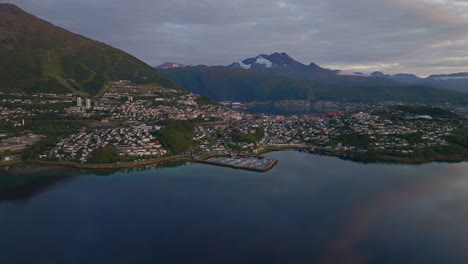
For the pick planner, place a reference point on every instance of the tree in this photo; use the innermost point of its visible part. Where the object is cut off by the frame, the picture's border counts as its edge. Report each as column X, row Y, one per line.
column 177, row 136
column 105, row 155
column 249, row 138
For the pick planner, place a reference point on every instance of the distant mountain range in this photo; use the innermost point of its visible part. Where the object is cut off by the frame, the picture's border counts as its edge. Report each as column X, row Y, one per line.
column 455, row 81
column 278, row 77
column 36, row 56
column 281, row 64
column 225, row 83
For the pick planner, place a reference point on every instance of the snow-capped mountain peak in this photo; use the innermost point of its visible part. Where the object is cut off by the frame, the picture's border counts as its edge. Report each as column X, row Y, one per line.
column 282, row 64
column 274, row 60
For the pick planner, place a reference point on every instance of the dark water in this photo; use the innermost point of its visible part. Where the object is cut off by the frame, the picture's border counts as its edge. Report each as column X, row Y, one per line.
column 308, row 209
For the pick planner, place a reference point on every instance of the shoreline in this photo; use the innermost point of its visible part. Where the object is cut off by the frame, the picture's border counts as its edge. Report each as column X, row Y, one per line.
column 116, row 166
column 141, row 164
column 368, row 156
column 10, row 164
column 204, row 160
column 397, row 159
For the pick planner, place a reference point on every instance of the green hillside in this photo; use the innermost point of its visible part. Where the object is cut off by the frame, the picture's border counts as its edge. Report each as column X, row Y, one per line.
column 37, row 56
column 408, row 93
column 229, row 83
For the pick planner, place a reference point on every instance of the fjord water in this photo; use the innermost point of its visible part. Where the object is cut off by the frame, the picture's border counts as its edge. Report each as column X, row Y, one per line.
column 308, row 209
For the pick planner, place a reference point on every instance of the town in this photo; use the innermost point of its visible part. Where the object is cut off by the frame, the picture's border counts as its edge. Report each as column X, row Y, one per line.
column 144, row 122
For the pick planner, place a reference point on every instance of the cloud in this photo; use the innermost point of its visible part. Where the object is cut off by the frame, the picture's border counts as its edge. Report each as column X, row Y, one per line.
column 410, row 35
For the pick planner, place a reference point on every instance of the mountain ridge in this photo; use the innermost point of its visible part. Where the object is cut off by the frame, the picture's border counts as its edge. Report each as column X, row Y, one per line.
column 455, row 81
column 38, row 56
column 225, row 83
column 281, row 64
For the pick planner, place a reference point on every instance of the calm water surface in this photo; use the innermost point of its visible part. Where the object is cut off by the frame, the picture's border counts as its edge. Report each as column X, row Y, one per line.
column 308, row 209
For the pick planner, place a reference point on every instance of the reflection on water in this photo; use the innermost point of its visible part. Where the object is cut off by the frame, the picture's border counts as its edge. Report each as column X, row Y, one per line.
column 22, row 182
column 436, row 207
column 366, row 160
column 308, row 209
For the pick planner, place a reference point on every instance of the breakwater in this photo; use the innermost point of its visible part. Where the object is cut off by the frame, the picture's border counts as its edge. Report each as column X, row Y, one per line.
column 267, row 165
column 245, row 163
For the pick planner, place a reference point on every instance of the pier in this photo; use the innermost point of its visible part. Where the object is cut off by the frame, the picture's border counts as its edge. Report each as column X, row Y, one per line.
column 246, row 163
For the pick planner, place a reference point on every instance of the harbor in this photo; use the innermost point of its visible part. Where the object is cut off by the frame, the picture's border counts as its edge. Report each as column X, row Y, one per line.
column 247, row 163
column 253, row 163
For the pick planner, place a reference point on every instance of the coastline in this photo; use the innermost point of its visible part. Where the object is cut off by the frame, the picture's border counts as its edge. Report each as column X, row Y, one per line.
column 6, row 164
column 140, row 164
column 265, row 169
column 115, row 166
column 204, row 160
column 396, row 159
column 368, row 156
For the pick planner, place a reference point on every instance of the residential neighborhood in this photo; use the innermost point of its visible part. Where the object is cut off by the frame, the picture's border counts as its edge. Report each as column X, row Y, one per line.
column 131, row 118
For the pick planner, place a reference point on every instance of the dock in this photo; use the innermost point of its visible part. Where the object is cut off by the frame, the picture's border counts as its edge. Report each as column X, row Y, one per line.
column 252, row 163
column 246, row 163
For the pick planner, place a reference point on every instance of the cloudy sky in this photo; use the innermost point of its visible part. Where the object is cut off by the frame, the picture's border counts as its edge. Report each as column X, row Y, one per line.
column 417, row 36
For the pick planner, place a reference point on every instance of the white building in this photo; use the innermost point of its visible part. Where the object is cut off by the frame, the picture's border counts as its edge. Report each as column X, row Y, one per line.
column 78, row 102
column 88, row 103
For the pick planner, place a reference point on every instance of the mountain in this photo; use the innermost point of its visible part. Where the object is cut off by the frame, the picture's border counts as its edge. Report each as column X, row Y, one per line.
column 401, row 77
column 406, row 78
column 168, row 65
column 226, row 83
column 453, row 76
column 454, row 81
column 37, row 56
column 281, row 64
column 378, row 74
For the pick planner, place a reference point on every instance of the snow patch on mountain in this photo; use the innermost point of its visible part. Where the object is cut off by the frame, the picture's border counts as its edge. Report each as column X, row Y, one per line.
column 243, row 65
column 261, row 60
column 169, row 65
